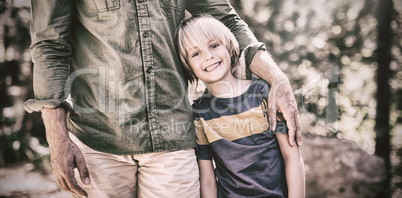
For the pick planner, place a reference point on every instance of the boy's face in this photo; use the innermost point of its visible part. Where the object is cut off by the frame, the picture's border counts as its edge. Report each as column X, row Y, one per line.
column 210, row 61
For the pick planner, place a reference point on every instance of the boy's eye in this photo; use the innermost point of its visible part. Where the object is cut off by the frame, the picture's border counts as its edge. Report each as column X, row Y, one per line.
column 215, row 45
column 196, row 54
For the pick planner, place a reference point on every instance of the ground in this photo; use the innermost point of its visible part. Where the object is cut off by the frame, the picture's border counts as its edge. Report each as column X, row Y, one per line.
column 22, row 181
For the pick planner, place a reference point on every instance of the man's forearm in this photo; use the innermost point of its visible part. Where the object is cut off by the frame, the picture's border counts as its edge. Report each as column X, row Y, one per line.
column 55, row 124
column 64, row 153
column 265, row 67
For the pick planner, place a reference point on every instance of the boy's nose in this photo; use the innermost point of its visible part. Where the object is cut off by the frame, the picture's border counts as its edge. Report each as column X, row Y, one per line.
column 209, row 56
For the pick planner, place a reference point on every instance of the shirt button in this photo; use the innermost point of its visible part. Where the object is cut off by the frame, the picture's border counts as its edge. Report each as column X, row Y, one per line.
column 145, row 34
column 149, row 69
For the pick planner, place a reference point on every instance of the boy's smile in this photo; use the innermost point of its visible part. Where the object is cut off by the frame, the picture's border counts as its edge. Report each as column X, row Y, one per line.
column 213, row 66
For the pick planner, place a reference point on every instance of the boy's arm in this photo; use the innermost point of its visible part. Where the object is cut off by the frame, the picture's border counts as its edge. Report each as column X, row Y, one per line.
column 207, row 179
column 294, row 167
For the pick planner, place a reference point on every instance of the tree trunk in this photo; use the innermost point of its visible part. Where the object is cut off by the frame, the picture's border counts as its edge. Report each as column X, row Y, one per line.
column 383, row 148
column 3, row 96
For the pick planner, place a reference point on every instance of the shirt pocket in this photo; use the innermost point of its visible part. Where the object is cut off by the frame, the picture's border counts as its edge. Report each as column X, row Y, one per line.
column 99, row 6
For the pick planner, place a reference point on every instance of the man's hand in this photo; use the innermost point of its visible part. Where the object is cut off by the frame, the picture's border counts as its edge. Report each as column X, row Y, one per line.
column 64, row 153
column 281, row 97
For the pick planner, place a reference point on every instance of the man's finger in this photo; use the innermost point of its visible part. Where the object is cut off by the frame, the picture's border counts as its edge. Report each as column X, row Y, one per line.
column 82, row 169
column 298, row 130
column 290, row 122
column 73, row 185
column 272, row 111
column 61, row 182
column 272, row 120
column 291, row 138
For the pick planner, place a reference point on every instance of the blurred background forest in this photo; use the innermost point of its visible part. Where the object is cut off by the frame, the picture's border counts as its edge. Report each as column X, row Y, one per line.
column 343, row 59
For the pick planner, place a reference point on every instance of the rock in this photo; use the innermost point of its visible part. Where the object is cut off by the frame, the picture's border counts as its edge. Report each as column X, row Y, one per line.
column 340, row 168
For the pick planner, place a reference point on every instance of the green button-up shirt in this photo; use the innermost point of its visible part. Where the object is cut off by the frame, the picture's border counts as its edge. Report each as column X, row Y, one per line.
column 117, row 61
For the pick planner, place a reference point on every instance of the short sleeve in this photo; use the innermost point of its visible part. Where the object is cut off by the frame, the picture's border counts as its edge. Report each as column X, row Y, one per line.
column 281, row 124
column 202, row 149
column 242, row 69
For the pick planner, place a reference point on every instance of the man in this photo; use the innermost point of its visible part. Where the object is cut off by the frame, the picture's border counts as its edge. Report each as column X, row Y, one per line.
column 128, row 128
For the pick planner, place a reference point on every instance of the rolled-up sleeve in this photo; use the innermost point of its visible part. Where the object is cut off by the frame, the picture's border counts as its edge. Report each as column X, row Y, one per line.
column 51, row 22
column 224, row 12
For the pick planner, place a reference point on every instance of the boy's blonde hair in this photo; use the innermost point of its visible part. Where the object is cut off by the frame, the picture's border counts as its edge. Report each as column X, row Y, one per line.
column 200, row 29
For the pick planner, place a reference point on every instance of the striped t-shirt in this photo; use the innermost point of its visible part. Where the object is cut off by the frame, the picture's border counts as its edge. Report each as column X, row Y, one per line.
column 234, row 132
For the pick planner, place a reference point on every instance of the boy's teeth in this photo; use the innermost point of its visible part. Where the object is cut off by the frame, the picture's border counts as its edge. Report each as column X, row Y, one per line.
column 211, row 67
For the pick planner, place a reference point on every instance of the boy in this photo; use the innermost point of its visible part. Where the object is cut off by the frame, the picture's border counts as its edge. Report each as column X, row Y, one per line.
column 231, row 121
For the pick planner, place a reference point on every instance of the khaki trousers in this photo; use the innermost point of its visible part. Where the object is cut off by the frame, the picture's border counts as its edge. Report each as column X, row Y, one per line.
column 164, row 174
